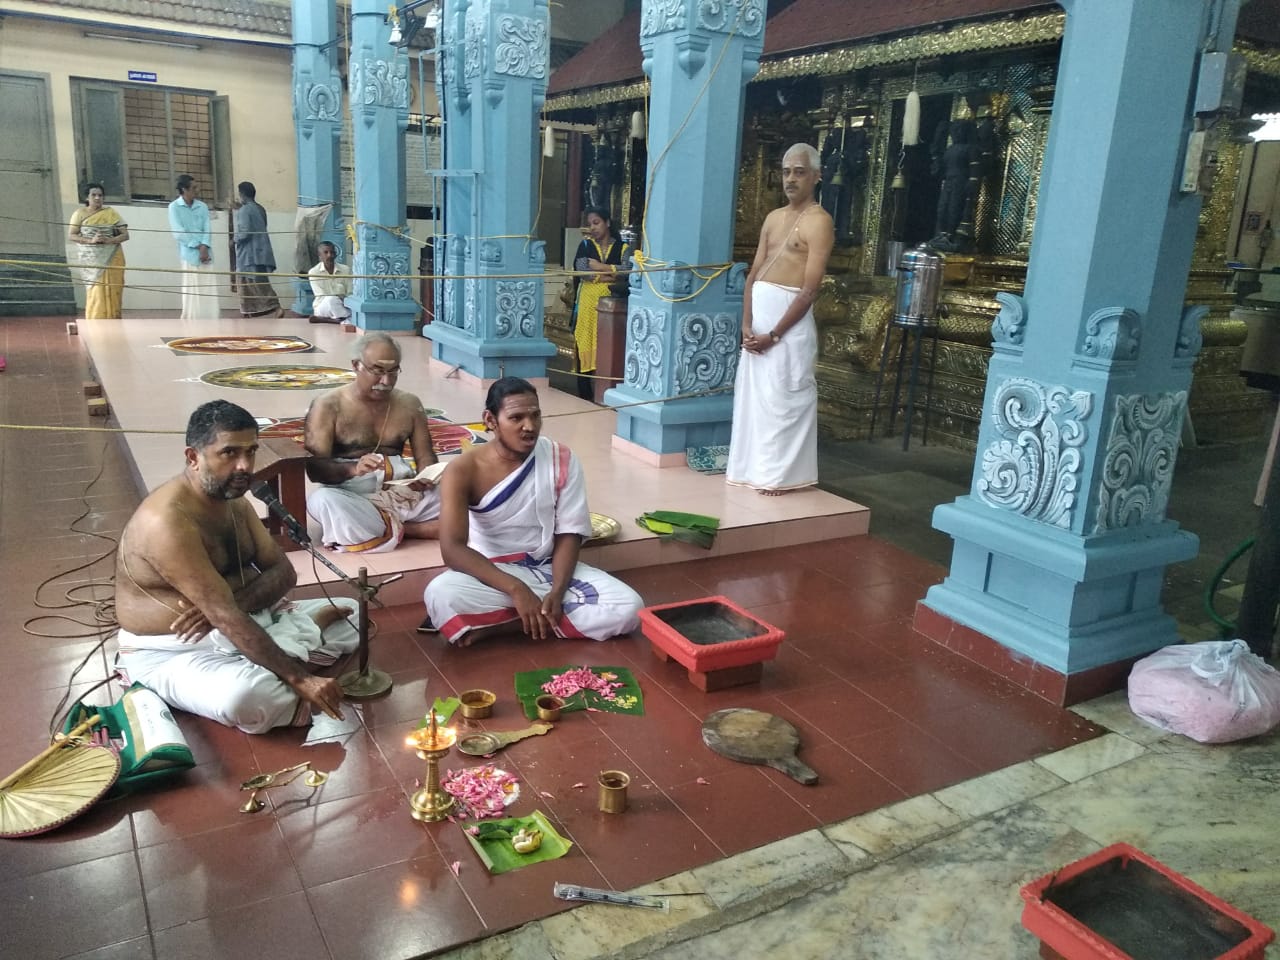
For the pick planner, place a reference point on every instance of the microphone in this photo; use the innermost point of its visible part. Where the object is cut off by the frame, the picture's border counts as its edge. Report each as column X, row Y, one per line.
column 297, row 532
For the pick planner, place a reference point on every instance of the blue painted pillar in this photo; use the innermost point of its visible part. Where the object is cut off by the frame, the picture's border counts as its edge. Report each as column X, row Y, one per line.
column 379, row 82
column 1061, row 545
column 317, row 120
column 683, row 329
column 493, row 70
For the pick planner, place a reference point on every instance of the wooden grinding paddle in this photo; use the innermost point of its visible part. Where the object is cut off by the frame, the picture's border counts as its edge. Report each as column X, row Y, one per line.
column 752, row 736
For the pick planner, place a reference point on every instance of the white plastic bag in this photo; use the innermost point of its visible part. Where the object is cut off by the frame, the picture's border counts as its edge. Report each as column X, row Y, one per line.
column 1213, row 692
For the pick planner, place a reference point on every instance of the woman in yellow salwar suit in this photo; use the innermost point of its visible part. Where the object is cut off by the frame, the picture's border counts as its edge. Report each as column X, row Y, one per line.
column 96, row 239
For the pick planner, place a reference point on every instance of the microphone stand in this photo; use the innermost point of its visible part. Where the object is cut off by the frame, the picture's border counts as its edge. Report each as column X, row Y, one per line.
column 365, row 682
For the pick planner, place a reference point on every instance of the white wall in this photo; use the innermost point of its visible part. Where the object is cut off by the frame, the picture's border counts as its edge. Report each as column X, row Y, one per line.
column 256, row 79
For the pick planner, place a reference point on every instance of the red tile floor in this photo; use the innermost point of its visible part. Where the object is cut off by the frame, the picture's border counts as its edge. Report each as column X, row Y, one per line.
column 179, row 872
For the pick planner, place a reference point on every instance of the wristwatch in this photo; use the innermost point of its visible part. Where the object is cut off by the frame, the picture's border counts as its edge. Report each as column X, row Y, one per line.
column 773, row 335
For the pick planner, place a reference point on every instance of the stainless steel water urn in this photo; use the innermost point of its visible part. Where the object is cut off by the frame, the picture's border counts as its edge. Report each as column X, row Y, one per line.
column 919, row 286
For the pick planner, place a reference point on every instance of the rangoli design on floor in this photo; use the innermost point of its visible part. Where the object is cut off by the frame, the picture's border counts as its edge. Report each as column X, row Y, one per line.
column 239, row 346
column 279, row 376
column 446, row 437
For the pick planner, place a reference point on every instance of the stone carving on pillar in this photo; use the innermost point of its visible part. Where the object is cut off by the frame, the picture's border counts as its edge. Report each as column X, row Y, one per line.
column 321, row 101
column 1111, row 336
column 471, row 309
column 473, row 45
column 490, row 251
column 538, row 252
column 745, row 17
column 644, row 359
column 516, row 300
column 1137, row 466
column 1190, row 340
column 707, row 357
column 675, row 280
column 1034, row 468
column 379, row 83
column 390, row 280
column 1009, row 326
column 661, row 17
column 735, row 285
column 521, row 47
column 448, row 289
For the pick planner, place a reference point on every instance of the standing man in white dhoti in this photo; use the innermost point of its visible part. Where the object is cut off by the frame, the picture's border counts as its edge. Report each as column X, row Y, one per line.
column 513, row 517
column 774, row 446
column 201, row 594
column 356, row 436
column 190, row 223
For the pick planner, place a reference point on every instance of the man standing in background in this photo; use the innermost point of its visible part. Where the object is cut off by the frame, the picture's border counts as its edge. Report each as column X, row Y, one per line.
column 189, row 222
column 774, row 446
column 254, row 256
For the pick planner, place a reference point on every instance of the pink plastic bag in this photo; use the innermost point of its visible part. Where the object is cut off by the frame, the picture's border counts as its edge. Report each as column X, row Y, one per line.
column 1213, row 692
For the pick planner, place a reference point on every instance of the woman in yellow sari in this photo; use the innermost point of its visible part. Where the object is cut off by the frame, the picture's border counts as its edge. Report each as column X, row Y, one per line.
column 95, row 245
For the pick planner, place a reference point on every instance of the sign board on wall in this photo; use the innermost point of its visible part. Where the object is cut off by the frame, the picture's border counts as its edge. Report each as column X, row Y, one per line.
column 146, row 76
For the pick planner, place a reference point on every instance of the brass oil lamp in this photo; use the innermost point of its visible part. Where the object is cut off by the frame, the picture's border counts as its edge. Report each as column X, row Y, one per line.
column 432, row 743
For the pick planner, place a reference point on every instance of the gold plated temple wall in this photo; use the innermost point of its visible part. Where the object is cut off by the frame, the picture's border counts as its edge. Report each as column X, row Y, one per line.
column 1002, row 71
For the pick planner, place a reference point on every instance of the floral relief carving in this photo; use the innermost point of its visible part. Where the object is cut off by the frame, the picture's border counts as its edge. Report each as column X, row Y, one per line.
column 380, row 83
column 516, row 300
column 323, row 101
column 471, row 309
column 521, row 49
column 645, row 350
column 473, row 43
column 1009, row 326
column 743, row 17
column 1033, row 469
column 1190, row 339
column 1112, row 334
column 389, row 280
column 660, row 16
column 1137, row 467
column 707, row 355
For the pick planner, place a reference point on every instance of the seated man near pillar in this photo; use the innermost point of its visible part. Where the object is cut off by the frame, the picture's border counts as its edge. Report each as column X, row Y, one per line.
column 774, row 444
column 330, row 285
column 201, row 594
column 513, row 517
column 356, row 436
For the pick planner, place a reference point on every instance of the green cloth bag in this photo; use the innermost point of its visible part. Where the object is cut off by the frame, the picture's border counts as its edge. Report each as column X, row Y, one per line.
column 144, row 733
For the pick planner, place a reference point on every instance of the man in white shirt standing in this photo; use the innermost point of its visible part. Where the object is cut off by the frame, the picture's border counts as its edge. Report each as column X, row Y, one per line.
column 330, row 283
column 190, row 223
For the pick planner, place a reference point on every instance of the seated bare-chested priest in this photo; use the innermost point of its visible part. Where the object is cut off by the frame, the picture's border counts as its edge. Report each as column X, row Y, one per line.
column 356, row 436
column 513, row 518
column 200, row 594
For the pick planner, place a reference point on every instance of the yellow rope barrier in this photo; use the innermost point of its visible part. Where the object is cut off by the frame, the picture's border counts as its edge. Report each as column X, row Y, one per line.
column 548, row 416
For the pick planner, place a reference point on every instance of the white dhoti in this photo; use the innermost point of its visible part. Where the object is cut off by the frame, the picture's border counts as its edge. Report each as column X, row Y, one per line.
column 774, row 445
column 212, row 678
column 515, row 526
column 200, row 292
column 360, row 516
column 331, row 307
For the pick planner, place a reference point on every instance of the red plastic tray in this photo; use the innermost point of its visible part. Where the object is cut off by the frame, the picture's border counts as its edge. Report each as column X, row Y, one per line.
column 704, row 658
column 1072, row 939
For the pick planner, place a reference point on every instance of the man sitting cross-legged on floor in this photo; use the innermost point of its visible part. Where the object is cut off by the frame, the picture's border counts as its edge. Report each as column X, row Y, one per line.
column 200, row 594
column 356, row 435
column 513, row 517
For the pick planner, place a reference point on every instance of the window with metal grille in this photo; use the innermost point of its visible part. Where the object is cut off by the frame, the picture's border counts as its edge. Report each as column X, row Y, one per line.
column 135, row 139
